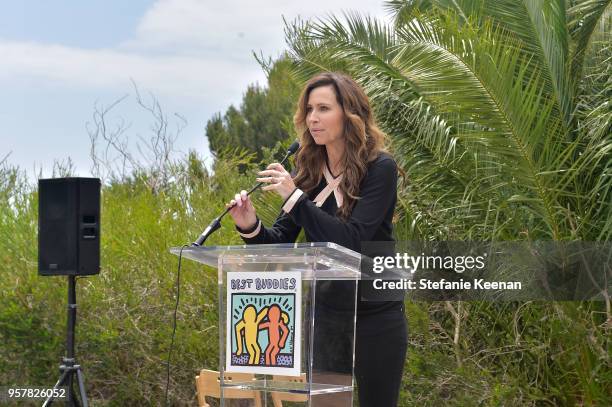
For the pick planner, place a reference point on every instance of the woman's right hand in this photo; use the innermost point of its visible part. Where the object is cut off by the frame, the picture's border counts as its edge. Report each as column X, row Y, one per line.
column 243, row 211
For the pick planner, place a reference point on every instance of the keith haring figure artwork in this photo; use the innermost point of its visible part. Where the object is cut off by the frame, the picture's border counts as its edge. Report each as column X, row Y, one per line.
column 263, row 322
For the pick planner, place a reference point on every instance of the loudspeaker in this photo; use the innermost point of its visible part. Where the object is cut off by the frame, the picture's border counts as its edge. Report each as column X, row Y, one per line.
column 68, row 226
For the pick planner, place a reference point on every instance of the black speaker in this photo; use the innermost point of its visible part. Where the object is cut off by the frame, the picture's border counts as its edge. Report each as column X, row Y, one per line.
column 68, row 226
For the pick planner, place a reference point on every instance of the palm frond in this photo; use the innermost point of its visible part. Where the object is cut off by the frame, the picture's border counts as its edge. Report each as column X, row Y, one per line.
column 473, row 122
column 485, row 78
column 588, row 20
column 540, row 25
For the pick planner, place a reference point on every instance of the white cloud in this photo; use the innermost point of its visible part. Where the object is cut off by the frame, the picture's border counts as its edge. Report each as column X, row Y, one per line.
column 233, row 26
column 194, row 55
column 181, row 76
column 194, row 49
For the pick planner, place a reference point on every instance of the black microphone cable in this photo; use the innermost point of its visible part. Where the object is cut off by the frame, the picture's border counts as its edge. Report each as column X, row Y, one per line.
column 178, row 293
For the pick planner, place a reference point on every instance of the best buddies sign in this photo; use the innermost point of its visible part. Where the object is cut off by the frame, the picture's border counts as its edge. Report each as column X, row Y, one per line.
column 263, row 323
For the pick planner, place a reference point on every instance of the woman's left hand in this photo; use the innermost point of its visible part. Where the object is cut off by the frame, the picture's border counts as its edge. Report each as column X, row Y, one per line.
column 279, row 179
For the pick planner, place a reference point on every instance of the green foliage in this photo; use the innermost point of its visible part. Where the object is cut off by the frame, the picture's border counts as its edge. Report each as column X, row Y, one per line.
column 265, row 115
column 484, row 111
column 499, row 113
column 124, row 320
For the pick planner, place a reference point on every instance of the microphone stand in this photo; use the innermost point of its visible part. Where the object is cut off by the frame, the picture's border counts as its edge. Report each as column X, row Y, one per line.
column 216, row 222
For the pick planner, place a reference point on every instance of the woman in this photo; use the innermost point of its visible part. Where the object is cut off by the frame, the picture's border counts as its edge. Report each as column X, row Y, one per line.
column 344, row 191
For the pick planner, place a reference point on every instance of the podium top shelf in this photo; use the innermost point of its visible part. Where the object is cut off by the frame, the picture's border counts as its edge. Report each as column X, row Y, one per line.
column 316, row 260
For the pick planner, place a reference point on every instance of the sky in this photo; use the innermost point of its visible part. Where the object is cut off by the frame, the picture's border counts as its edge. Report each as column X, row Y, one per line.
column 60, row 59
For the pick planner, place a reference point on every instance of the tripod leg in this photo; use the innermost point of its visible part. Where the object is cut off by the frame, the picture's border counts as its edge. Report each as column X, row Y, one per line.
column 59, row 383
column 82, row 387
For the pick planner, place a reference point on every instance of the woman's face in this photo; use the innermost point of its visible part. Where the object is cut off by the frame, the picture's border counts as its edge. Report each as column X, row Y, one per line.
column 324, row 116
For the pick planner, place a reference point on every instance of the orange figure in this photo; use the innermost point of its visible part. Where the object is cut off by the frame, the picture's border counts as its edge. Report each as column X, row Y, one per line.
column 277, row 322
column 247, row 327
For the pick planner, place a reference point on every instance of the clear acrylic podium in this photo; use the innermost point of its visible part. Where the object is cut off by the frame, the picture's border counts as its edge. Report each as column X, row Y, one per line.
column 323, row 356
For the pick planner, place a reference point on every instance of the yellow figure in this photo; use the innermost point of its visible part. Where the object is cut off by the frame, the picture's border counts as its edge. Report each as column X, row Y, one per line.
column 250, row 325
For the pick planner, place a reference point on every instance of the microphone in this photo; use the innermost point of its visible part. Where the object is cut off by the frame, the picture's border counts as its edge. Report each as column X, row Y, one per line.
column 216, row 223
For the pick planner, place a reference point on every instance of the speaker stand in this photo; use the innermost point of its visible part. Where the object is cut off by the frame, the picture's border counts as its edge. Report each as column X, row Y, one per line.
column 69, row 368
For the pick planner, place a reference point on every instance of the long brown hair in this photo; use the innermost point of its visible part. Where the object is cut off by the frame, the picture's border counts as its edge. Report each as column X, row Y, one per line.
column 364, row 140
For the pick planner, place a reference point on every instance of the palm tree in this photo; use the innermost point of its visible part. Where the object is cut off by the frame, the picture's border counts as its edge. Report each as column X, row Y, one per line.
column 499, row 112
